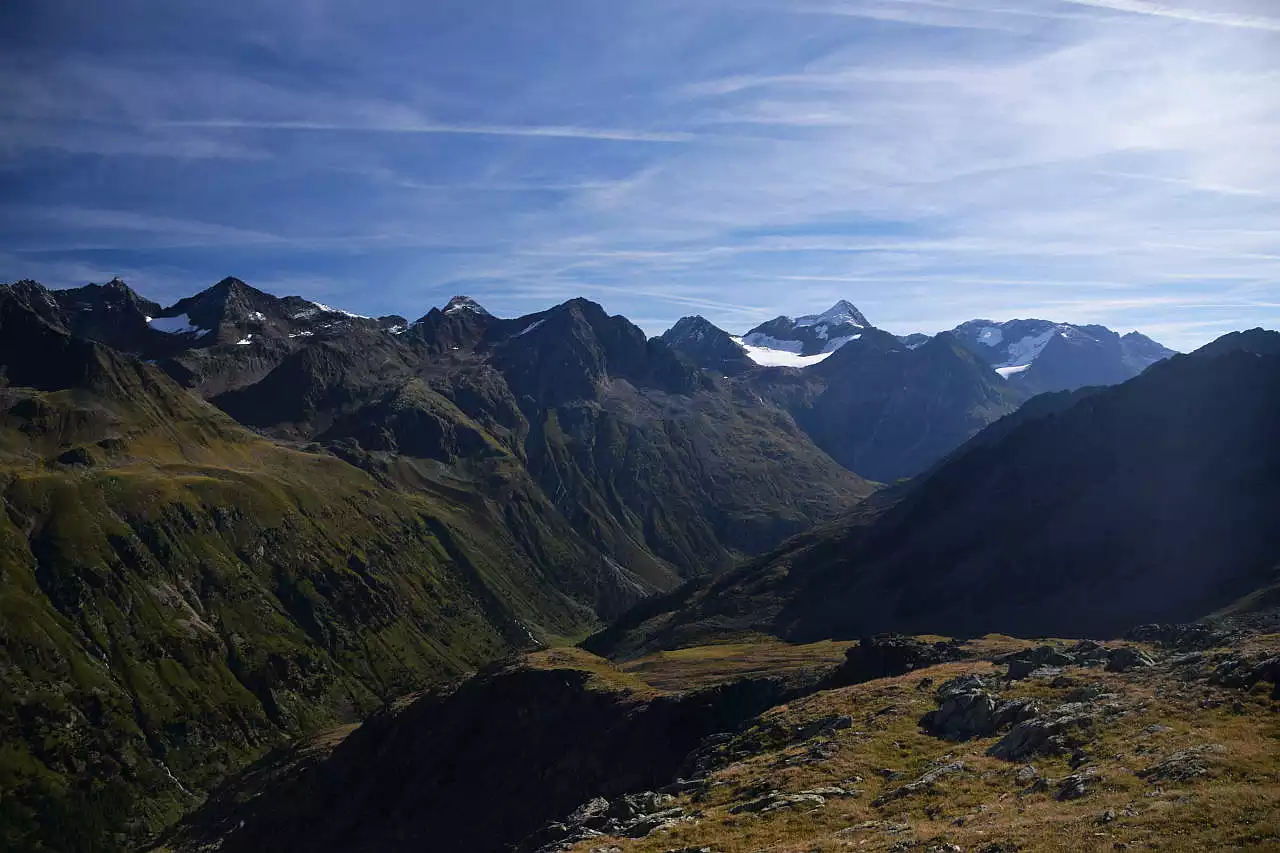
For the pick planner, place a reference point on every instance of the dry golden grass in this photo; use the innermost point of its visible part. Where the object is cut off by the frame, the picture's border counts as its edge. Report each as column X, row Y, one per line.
column 604, row 676
column 1236, row 807
column 702, row 666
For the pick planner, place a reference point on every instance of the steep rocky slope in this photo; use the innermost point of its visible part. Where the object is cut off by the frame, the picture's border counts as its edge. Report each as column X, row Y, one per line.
column 889, row 411
column 662, row 470
column 880, row 407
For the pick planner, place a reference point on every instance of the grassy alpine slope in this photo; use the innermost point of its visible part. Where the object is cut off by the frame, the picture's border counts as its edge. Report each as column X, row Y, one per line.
column 1167, row 743
column 179, row 594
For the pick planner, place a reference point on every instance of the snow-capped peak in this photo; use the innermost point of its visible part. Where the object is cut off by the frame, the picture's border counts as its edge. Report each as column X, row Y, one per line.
column 465, row 303
column 843, row 312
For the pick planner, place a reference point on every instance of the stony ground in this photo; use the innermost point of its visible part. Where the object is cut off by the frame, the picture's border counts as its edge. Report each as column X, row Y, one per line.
column 1124, row 746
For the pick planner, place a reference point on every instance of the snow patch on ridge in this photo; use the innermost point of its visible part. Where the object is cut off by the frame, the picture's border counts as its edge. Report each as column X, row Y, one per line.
column 330, row 310
column 835, row 343
column 1027, row 350
column 1006, row 372
column 180, row 325
column 763, row 341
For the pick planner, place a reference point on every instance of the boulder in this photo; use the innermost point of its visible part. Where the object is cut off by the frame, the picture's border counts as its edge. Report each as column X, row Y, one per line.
column 776, row 801
column 965, row 710
column 925, row 784
column 1126, row 658
column 1056, row 731
column 1183, row 765
column 1075, row 786
column 1023, row 663
column 833, row 791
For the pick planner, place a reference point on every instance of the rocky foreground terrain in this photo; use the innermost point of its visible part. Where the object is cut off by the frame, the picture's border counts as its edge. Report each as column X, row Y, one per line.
column 1166, row 740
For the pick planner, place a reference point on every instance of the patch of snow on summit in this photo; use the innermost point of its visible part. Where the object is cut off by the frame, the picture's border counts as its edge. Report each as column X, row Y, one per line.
column 329, row 310
column 991, row 336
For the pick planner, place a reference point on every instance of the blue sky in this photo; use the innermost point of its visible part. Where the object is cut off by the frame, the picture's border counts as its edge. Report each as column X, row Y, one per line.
column 1109, row 161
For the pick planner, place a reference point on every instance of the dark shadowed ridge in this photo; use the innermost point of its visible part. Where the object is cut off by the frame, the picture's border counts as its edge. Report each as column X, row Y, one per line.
column 1085, row 514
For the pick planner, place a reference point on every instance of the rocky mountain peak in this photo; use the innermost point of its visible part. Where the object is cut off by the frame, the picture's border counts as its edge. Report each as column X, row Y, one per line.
column 465, row 303
column 811, row 334
column 843, row 313
column 708, row 346
column 695, row 327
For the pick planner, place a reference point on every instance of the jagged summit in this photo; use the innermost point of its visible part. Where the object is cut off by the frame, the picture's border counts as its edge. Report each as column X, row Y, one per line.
column 708, row 346
column 810, row 335
column 842, row 313
column 465, row 303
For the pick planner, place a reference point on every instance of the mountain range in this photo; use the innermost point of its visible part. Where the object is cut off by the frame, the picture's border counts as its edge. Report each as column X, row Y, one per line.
column 890, row 407
column 1082, row 514
column 240, row 518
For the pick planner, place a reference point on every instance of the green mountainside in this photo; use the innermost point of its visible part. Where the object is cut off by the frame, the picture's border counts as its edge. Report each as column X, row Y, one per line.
column 178, row 593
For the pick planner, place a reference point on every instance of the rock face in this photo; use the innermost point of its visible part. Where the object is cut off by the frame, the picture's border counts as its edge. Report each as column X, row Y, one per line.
column 777, row 802
column 889, row 655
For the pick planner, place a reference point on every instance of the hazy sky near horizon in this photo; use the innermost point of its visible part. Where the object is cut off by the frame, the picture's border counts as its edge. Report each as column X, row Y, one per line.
column 1109, row 161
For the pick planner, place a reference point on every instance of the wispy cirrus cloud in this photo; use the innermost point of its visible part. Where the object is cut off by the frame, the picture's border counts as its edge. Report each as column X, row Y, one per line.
column 1191, row 14
column 426, row 127
column 933, row 160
